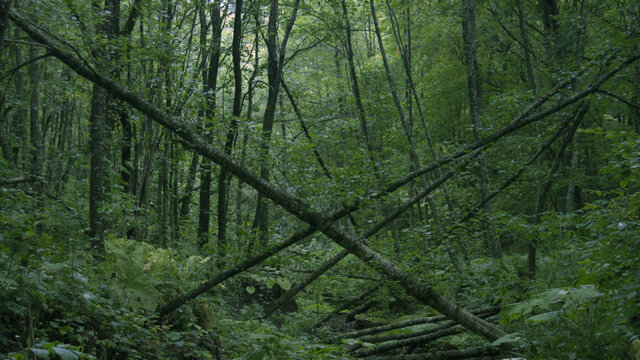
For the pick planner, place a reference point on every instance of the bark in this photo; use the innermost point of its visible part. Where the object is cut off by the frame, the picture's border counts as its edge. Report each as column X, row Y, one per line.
column 526, row 47
column 188, row 187
column 517, row 174
column 571, row 201
column 19, row 180
column 223, row 179
column 5, row 5
column 395, row 337
column 209, row 284
column 407, row 323
column 635, row 108
column 475, row 109
column 581, row 111
column 97, row 148
column 305, row 130
column 360, row 309
column 291, row 293
column 35, row 135
column 98, row 130
column 415, row 341
column 347, row 304
column 356, row 92
column 19, row 117
column 245, row 138
column 414, row 286
column 275, row 63
column 413, row 154
column 444, row 325
column 474, row 352
column 209, row 85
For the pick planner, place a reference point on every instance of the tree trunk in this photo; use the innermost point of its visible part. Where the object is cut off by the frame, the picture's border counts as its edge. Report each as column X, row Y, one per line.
column 36, row 144
column 356, row 92
column 413, row 154
column 572, row 199
column 475, row 109
column 345, row 305
column 188, row 187
column 210, row 79
column 262, row 208
column 581, row 111
column 5, row 5
column 635, row 31
column 19, row 117
column 526, row 47
column 275, row 62
column 223, row 179
column 245, row 138
column 391, row 216
column 97, row 148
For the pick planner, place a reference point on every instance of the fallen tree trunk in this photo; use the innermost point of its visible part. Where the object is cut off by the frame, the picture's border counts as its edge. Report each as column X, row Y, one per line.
column 361, row 309
column 19, row 180
column 414, row 286
column 448, row 354
column 406, row 323
column 393, row 337
column 444, row 325
column 347, row 304
column 291, row 293
column 414, row 341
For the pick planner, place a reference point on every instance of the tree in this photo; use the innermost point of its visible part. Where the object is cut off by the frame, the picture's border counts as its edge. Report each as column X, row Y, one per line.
column 209, row 88
column 475, row 111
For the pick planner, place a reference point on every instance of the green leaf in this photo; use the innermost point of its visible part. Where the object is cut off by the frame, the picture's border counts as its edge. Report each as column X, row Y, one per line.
column 65, row 354
column 41, row 353
column 625, row 181
column 251, row 289
column 284, row 283
column 269, row 282
column 509, row 338
column 543, row 317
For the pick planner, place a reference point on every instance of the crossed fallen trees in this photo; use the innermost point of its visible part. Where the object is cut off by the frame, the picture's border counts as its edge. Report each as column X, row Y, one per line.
column 316, row 221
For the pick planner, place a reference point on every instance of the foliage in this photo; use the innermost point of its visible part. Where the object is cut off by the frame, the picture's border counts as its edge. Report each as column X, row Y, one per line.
column 62, row 297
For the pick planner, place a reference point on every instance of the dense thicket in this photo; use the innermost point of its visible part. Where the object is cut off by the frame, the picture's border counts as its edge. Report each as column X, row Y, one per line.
column 270, row 179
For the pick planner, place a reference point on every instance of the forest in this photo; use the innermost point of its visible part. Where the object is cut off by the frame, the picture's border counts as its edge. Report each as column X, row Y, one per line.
column 319, row 179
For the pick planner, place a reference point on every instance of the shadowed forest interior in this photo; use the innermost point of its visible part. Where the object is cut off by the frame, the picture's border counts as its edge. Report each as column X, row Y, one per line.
column 326, row 179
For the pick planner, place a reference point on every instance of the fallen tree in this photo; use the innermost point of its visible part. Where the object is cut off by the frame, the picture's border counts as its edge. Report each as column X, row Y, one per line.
column 391, row 337
column 467, row 353
column 406, row 323
column 414, row 341
column 345, row 305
